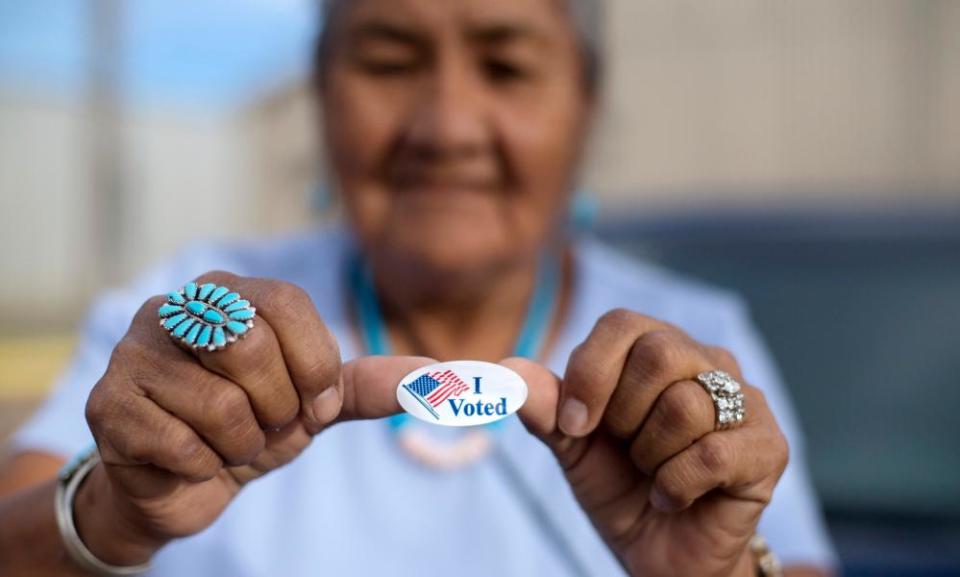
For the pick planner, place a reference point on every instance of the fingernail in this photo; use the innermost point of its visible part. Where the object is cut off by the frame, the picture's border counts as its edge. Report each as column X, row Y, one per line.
column 660, row 501
column 326, row 406
column 573, row 417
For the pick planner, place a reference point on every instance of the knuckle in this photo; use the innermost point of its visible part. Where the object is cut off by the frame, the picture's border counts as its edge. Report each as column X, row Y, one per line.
column 94, row 410
column 725, row 359
column 713, row 454
column 272, row 403
column 282, row 411
column 584, row 374
column 680, row 407
column 203, row 467
column 226, row 410
column 760, row 399
column 134, row 444
column 324, row 369
column 104, row 406
column 217, row 276
column 782, row 453
column 620, row 422
column 249, row 447
column 654, row 353
column 580, row 368
column 187, row 453
column 669, row 484
column 579, row 356
column 238, row 435
column 135, row 362
column 148, row 310
column 128, row 352
column 619, row 318
column 280, row 295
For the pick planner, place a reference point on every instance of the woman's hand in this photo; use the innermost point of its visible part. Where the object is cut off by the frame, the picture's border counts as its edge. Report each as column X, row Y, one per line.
column 635, row 435
column 180, row 432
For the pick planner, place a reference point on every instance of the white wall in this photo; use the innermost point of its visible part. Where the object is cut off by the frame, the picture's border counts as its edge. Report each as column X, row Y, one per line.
column 187, row 176
column 771, row 101
column 45, row 211
column 708, row 103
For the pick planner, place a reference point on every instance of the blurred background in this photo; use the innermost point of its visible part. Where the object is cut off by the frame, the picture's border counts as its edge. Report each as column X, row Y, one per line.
column 805, row 153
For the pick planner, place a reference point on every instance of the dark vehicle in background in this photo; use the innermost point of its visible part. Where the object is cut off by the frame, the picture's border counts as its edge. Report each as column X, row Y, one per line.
column 862, row 311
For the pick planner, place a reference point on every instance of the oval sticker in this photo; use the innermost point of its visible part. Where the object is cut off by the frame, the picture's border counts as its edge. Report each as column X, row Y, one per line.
column 462, row 393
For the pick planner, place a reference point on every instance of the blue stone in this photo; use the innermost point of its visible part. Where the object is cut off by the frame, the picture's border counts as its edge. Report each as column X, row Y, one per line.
column 204, row 338
column 193, row 334
column 236, row 328
column 228, row 299
column 190, row 290
column 176, row 298
column 183, row 327
column 168, row 309
column 241, row 315
column 219, row 338
column 205, row 290
column 237, row 306
column 221, row 290
column 174, row 320
column 212, row 316
column 196, row 307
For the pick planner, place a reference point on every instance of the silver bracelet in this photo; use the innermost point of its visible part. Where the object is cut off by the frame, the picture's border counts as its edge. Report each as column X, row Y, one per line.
column 69, row 480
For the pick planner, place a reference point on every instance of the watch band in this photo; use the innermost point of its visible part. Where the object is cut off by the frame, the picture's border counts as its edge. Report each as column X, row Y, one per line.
column 68, row 482
column 768, row 565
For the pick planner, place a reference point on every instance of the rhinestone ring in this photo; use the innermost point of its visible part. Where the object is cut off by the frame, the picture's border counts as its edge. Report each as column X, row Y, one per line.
column 727, row 398
column 206, row 316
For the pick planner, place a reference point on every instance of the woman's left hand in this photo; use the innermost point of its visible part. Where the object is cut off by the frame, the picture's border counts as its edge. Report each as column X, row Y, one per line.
column 635, row 434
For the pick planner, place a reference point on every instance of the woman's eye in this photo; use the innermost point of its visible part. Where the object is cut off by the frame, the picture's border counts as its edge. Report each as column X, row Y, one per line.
column 503, row 71
column 389, row 67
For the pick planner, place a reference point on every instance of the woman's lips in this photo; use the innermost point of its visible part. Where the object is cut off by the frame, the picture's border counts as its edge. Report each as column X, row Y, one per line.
column 447, row 190
column 461, row 178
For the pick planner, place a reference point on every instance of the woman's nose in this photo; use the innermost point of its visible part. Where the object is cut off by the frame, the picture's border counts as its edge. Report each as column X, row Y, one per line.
column 449, row 120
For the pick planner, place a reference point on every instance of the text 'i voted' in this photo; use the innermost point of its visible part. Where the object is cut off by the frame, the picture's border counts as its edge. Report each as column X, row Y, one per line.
column 462, row 393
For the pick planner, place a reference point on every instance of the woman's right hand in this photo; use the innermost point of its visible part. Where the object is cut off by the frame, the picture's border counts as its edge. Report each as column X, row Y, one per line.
column 180, row 432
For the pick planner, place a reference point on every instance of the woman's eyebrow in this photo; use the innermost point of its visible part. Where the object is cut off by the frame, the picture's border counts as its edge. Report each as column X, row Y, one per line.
column 506, row 33
column 492, row 34
column 383, row 30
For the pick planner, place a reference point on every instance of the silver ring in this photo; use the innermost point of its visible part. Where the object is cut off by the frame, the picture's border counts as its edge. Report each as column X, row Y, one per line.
column 727, row 398
column 206, row 316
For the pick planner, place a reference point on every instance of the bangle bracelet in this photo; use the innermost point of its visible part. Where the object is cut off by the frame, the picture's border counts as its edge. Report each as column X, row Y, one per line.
column 67, row 484
column 768, row 565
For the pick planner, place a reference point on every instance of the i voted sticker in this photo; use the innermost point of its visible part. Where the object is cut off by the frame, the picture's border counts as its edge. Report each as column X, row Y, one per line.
column 462, row 393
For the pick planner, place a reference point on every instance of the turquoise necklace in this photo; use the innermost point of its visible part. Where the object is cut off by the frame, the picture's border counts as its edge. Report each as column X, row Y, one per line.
column 530, row 341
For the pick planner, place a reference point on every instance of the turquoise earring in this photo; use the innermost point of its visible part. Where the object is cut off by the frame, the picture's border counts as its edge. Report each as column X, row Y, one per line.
column 583, row 210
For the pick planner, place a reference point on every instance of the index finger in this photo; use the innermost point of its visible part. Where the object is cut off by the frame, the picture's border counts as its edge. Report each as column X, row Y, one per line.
column 369, row 385
column 539, row 413
column 596, row 366
column 309, row 350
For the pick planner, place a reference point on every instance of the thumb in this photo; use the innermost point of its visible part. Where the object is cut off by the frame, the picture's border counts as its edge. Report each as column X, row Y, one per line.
column 539, row 412
column 369, row 385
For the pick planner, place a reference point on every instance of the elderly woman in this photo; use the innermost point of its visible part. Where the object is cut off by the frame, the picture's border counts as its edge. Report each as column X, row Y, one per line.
column 454, row 130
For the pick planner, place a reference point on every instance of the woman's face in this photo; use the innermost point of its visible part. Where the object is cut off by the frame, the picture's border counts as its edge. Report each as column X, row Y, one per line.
column 454, row 127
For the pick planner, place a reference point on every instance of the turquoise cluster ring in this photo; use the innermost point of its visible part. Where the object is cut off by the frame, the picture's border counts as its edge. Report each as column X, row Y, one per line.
column 206, row 316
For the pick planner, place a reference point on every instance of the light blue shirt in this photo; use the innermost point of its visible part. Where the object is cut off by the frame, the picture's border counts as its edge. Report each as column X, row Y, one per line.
column 354, row 504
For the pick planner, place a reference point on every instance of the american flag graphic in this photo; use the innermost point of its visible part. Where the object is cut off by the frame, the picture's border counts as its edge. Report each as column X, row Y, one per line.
column 432, row 389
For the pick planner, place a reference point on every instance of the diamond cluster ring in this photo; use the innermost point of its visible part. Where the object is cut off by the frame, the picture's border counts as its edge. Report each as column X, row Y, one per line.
column 727, row 398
